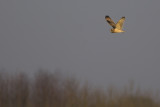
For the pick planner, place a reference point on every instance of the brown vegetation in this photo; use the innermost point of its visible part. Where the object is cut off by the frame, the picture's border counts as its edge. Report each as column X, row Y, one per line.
column 46, row 89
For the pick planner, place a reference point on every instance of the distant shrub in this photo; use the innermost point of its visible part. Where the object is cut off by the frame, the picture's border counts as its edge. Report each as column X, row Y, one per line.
column 46, row 89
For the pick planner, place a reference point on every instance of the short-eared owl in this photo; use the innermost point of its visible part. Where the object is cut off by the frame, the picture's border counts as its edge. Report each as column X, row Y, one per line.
column 117, row 28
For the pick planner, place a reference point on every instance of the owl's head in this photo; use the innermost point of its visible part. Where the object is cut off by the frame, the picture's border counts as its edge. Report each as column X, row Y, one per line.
column 112, row 30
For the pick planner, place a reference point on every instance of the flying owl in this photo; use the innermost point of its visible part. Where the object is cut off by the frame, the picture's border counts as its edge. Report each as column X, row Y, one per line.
column 117, row 28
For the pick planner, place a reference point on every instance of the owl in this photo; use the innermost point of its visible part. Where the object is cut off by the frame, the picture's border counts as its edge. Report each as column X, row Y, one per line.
column 117, row 28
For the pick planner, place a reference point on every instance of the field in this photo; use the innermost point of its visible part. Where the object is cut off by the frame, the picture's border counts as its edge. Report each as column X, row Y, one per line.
column 47, row 89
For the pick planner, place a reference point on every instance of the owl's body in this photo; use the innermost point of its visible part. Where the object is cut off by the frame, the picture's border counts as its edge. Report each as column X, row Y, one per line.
column 116, row 31
column 117, row 28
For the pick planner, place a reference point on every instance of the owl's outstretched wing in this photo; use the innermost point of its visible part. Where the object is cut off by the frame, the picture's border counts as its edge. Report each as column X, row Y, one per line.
column 119, row 24
column 110, row 21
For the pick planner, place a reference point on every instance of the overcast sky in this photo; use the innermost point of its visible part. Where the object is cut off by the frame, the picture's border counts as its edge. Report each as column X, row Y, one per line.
column 72, row 35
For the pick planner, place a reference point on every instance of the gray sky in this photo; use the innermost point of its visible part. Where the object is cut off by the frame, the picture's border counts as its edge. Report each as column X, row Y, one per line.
column 73, row 35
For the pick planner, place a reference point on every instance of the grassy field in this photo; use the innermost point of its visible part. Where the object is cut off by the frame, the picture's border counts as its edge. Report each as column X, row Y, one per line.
column 47, row 89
